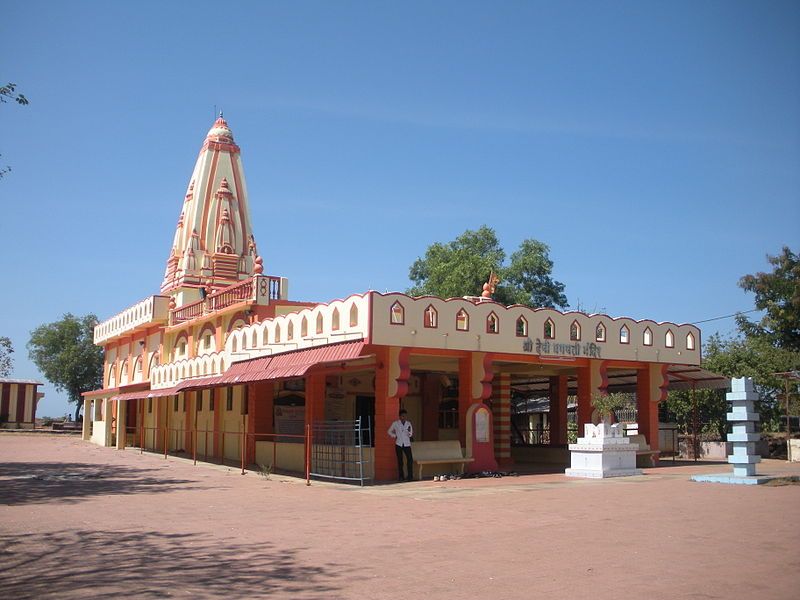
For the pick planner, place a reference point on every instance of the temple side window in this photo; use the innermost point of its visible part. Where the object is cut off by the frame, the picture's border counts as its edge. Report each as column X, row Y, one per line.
column 624, row 335
column 319, row 323
column 397, row 314
column 492, row 323
column 431, row 317
column 290, row 331
column 462, row 320
column 575, row 332
column 669, row 339
column 277, row 333
column 353, row 316
column 335, row 320
column 522, row 327
column 647, row 337
column 253, row 340
column 549, row 330
column 600, row 333
column 304, row 327
column 689, row 341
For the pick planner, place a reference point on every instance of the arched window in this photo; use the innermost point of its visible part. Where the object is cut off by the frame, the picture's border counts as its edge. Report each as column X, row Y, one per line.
column 492, row 323
column 303, row 327
column 353, row 316
column 669, row 339
column 549, row 329
column 462, row 320
column 320, row 323
column 431, row 317
column 112, row 380
column 600, row 333
column 647, row 337
column 335, row 320
column 575, row 331
column 234, row 347
column 290, row 331
column 690, row 341
column 397, row 314
column 253, row 340
column 624, row 335
column 277, row 333
column 522, row 327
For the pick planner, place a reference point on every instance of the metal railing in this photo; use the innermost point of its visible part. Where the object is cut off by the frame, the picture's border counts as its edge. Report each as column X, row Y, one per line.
column 338, row 450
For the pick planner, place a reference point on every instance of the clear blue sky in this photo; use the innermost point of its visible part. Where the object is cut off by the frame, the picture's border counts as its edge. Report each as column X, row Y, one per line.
column 655, row 146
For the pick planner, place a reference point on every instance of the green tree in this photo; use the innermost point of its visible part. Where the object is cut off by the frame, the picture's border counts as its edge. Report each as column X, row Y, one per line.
column 778, row 294
column 9, row 92
column 66, row 354
column 6, row 360
column 461, row 267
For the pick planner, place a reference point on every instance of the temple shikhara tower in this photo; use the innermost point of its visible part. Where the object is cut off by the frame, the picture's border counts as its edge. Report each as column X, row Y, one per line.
column 214, row 246
column 220, row 365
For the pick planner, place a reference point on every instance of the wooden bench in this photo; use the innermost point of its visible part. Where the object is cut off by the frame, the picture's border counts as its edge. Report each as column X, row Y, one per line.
column 645, row 457
column 444, row 452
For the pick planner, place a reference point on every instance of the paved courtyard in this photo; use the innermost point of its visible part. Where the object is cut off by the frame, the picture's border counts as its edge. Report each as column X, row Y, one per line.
column 79, row 521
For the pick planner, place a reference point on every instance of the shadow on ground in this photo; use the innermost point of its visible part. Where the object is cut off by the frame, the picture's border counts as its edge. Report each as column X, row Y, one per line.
column 94, row 564
column 41, row 482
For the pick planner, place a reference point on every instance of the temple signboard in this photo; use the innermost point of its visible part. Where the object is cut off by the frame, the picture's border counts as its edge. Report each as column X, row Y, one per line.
column 553, row 348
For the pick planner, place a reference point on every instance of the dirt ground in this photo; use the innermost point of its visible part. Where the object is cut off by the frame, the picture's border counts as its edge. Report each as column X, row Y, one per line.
column 79, row 521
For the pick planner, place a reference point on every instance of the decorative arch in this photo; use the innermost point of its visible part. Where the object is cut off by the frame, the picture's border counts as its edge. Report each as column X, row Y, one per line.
column 522, row 327
column 549, row 329
column 431, row 317
column 123, row 376
column 624, row 335
column 462, row 320
column 303, row 326
column 354, row 316
column 690, row 341
column 112, row 375
column 575, row 331
column 492, row 323
column 207, row 339
column 600, row 332
column 397, row 314
column 669, row 339
column 647, row 336
column 277, row 333
column 290, row 331
column 320, row 324
column 137, row 369
column 335, row 320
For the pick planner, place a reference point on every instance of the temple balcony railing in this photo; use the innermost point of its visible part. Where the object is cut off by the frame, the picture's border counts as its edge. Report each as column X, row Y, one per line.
column 148, row 312
column 259, row 289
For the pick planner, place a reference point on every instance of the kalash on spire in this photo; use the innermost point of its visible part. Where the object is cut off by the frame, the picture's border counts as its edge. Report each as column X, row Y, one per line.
column 214, row 246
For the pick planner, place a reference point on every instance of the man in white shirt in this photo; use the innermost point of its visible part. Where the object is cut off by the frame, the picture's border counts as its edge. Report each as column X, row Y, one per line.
column 402, row 432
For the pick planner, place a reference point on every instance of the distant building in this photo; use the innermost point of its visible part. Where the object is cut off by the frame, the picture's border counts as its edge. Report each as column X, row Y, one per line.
column 222, row 365
column 18, row 399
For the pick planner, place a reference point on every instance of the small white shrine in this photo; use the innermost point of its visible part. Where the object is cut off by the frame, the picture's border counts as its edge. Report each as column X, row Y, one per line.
column 603, row 451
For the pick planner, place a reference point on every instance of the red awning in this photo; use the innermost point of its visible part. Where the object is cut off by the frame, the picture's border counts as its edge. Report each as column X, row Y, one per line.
column 200, row 383
column 170, row 391
column 290, row 364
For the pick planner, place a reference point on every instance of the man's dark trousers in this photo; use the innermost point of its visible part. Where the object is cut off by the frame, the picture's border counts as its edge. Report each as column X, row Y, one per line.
column 401, row 451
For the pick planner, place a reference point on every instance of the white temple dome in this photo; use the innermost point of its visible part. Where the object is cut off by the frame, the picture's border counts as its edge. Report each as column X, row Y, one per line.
column 220, row 130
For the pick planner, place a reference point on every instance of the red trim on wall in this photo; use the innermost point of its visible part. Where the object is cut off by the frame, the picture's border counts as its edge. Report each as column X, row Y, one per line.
column 5, row 395
column 21, row 403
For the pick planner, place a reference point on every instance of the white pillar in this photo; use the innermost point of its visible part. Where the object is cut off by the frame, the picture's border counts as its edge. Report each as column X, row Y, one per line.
column 122, row 417
column 87, row 419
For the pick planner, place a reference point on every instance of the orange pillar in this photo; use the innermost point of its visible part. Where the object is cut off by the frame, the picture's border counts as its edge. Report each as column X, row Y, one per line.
column 431, row 399
column 387, row 404
column 260, row 413
column 188, row 418
column 559, row 392
column 650, row 389
column 217, row 399
column 501, row 413
column 591, row 380
column 464, row 396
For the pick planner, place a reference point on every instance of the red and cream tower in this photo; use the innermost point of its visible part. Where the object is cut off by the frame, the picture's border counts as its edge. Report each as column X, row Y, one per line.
column 214, row 245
